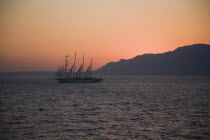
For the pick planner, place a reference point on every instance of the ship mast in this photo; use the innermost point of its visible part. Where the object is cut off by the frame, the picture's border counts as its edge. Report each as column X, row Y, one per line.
column 66, row 63
column 91, row 66
column 83, row 62
column 74, row 63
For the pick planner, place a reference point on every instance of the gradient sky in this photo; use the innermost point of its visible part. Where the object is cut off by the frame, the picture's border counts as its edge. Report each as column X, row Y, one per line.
column 37, row 34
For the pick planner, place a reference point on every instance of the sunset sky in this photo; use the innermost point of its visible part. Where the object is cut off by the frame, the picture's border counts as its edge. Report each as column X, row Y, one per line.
column 37, row 34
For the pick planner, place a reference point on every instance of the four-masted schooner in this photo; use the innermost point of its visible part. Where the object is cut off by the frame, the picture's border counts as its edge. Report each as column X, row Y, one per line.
column 70, row 76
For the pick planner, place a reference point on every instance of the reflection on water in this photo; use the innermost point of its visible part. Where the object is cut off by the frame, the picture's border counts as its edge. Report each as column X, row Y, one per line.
column 137, row 107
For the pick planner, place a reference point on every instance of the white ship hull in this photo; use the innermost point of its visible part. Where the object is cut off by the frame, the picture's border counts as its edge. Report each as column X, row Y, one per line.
column 79, row 80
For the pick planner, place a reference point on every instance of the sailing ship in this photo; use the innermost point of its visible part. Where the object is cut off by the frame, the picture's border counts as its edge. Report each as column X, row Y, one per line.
column 63, row 75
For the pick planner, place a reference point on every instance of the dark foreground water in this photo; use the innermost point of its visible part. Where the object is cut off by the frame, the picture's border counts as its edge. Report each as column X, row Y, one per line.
column 132, row 107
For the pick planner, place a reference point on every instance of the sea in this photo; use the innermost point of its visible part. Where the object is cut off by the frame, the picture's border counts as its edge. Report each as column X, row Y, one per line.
column 119, row 107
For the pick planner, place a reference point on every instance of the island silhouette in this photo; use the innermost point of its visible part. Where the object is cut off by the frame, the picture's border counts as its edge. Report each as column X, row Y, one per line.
column 188, row 60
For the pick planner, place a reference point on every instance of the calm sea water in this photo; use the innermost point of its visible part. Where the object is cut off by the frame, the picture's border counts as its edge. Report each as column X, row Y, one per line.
column 122, row 107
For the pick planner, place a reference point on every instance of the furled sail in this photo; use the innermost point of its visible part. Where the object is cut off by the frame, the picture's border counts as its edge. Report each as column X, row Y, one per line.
column 70, row 73
column 60, row 72
column 87, row 73
column 79, row 72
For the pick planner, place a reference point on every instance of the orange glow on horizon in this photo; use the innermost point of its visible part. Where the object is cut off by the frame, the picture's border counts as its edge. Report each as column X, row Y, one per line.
column 38, row 34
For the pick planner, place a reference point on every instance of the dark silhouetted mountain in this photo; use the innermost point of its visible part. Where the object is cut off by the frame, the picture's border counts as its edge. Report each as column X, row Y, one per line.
column 187, row 60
